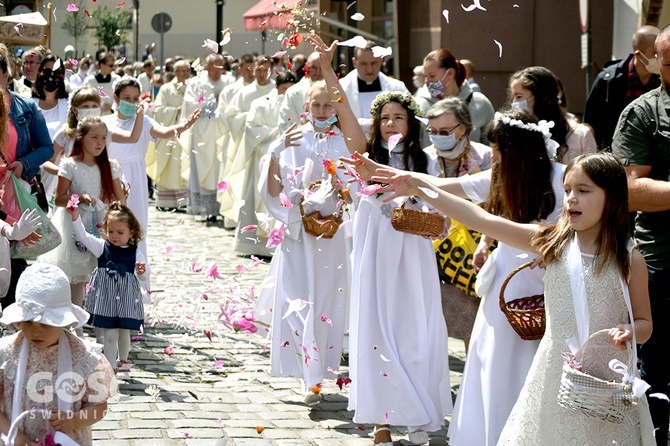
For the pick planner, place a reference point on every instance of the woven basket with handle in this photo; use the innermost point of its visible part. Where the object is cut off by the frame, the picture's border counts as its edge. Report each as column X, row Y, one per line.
column 526, row 314
column 411, row 221
column 595, row 397
column 316, row 224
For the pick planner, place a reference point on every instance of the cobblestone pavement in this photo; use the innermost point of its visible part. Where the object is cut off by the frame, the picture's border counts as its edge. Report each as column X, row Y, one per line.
column 184, row 389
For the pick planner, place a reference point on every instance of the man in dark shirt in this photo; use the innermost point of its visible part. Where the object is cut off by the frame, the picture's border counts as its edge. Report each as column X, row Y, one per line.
column 620, row 83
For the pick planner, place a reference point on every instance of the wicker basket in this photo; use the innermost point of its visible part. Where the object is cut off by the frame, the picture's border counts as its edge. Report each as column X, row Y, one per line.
column 595, row 397
column 415, row 222
column 316, row 224
column 526, row 314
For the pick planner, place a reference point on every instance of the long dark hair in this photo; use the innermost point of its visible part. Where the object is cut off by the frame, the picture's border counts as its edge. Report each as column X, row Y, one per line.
column 414, row 158
column 607, row 173
column 38, row 88
column 521, row 188
column 102, row 160
column 544, row 86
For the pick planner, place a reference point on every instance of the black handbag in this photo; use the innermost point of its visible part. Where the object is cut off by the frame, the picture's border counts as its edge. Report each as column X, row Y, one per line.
column 37, row 189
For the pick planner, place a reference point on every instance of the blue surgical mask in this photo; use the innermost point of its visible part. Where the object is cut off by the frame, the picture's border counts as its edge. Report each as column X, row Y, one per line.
column 317, row 123
column 126, row 108
column 447, row 146
column 522, row 104
column 83, row 112
column 443, row 142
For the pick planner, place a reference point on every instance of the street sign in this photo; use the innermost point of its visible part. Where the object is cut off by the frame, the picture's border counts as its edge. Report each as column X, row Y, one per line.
column 161, row 22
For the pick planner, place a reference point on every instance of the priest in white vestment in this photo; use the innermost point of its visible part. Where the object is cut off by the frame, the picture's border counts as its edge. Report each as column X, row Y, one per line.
column 167, row 167
column 202, row 139
column 261, row 129
column 238, row 156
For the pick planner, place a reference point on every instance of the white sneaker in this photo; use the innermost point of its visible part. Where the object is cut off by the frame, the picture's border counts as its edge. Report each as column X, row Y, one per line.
column 312, row 399
column 419, row 437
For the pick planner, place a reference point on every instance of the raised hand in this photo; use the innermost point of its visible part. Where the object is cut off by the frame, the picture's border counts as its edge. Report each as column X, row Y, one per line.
column 291, row 138
column 326, row 53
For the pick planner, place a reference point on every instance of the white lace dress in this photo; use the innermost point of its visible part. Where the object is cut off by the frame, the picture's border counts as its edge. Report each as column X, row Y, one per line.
column 536, row 418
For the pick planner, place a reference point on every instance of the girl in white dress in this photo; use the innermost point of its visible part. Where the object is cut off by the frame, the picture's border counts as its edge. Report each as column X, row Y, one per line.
column 311, row 290
column 96, row 179
column 398, row 357
column 85, row 102
column 132, row 155
column 499, row 359
column 587, row 250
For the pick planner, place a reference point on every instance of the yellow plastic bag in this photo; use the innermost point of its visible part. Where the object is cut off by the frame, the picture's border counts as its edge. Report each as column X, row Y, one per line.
column 454, row 257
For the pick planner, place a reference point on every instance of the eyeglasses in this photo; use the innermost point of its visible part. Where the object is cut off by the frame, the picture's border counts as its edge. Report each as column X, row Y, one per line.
column 443, row 132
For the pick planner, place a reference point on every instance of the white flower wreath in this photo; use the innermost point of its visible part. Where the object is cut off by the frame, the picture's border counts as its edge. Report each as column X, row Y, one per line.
column 543, row 127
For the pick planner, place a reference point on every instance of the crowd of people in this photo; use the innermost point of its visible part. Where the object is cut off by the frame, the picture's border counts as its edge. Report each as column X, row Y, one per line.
column 316, row 173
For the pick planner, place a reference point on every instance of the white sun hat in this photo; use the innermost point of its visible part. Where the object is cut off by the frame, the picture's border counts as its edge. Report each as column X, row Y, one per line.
column 43, row 295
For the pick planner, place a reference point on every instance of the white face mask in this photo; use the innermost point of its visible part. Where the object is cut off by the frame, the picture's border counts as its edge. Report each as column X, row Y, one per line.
column 83, row 112
column 651, row 65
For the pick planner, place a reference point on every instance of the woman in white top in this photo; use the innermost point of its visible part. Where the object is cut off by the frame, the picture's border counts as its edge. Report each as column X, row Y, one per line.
column 51, row 98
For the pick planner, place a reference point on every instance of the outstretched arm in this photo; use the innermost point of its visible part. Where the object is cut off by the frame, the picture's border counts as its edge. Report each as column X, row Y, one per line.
column 368, row 168
column 409, row 184
column 159, row 131
column 353, row 133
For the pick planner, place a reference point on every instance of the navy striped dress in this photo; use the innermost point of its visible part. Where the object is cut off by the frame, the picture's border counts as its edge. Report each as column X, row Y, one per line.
column 114, row 299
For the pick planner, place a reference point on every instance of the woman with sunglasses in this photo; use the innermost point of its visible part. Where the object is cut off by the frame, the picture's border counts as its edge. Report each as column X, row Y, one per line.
column 51, row 98
column 105, row 78
column 449, row 127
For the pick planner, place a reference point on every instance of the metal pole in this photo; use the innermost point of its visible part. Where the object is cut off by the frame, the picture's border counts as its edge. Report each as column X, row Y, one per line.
column 219, row 21
column 162, row 43
column 136, row 23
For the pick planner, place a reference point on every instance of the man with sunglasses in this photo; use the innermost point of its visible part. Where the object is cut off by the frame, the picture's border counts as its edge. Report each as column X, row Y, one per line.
column 104, row 78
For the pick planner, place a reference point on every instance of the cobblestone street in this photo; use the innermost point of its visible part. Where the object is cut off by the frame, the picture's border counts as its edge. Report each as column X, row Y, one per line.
column 185, row 389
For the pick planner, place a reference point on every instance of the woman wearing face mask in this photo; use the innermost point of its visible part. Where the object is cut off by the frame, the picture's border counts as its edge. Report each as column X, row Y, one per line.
column 449, row 127
column 536, row 90
column 445, row 78
column 51, row 98
column 132, row 155
column 49, row 93
column 84, row 102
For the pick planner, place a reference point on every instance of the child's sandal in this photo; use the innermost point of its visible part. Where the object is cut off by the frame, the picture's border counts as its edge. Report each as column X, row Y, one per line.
column 376, row 430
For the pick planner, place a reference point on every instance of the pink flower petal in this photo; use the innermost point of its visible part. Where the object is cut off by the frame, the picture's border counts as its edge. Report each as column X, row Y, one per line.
column 326, row 320
column 72, row 8
column 221, row 186
column 249, row 228
column 393, row 141
column 283, row 199
column 369, row 190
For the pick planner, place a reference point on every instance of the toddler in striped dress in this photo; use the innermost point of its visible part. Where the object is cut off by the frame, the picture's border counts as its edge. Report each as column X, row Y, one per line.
column 114, row 299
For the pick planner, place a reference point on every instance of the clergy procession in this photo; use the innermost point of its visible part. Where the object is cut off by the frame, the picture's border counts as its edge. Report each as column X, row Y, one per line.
column 395, row 219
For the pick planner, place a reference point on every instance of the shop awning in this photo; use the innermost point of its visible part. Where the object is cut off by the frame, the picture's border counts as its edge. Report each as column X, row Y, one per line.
column 271, row 14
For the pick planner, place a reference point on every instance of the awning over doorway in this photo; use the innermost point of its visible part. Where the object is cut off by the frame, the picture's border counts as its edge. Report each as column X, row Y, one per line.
column 272, row 14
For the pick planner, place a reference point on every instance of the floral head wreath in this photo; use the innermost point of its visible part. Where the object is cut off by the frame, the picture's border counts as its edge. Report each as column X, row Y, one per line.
column 399, row 96
column 543, row 127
